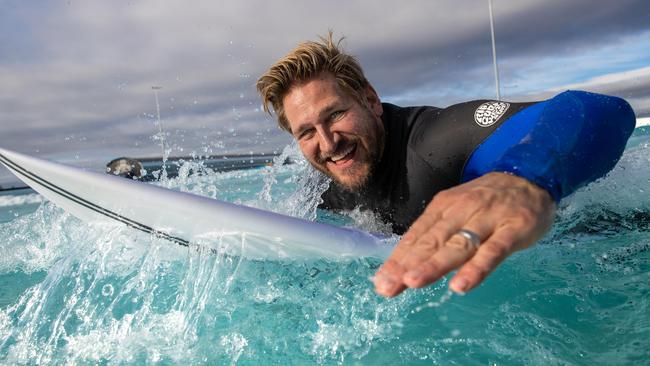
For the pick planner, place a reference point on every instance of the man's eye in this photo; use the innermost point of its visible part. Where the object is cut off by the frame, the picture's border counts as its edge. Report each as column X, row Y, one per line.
column 336, row 115
column 306, row 134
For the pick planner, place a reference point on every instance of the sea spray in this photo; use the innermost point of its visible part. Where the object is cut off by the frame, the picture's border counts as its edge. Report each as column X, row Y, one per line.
column 309, row 185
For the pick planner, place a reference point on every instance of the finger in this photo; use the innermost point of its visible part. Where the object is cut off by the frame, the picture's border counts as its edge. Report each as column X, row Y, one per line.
column 455, row 251
column 419, row 227
column 488, row 256
column 429, row 243
column 436, row 225
column 388, row 279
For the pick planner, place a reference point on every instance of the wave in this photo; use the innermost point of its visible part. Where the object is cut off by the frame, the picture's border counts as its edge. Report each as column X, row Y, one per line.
column 18, row 200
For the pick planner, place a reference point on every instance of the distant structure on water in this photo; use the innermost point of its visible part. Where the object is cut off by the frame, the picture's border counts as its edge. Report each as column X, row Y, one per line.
column 125, row 167
column 144, row 168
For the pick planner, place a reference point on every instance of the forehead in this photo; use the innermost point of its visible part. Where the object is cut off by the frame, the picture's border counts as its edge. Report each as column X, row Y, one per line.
column 307, row 99
column 314, row 89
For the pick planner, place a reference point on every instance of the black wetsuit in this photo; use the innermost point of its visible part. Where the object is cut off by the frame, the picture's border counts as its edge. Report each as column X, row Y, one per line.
column 428, row 149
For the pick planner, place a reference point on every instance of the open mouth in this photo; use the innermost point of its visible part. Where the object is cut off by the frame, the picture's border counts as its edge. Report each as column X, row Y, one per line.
column 344, row 156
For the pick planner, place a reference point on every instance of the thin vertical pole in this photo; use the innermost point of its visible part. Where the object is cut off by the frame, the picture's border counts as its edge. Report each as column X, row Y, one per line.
column 160, row 128
column 494, row 52
column 161, row 134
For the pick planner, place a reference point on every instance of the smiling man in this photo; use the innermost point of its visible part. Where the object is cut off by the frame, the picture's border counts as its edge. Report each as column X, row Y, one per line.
column 338, row 135
column 467, row 185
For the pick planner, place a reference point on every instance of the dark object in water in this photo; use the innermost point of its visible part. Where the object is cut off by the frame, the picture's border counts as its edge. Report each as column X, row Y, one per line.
column 125, row 167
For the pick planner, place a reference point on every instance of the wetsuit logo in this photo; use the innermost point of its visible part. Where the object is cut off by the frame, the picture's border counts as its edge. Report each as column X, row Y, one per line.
column 488, row 113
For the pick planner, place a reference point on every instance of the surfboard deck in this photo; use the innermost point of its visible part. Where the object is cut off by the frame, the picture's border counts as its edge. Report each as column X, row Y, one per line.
column 183, row 218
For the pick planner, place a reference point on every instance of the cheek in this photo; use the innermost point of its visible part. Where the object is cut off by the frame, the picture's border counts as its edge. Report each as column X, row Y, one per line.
column 308, row 149
column 360, row 124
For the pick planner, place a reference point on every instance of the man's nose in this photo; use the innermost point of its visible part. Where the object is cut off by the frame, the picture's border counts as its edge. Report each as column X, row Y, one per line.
column 327, row 142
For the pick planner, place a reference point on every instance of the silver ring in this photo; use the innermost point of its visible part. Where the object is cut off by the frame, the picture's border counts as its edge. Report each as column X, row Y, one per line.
column 471, row 236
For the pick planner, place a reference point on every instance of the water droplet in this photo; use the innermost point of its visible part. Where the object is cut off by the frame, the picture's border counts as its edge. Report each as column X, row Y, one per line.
column 107, row 290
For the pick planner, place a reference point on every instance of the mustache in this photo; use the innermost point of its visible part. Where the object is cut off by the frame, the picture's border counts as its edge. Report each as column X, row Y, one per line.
column 340, row 147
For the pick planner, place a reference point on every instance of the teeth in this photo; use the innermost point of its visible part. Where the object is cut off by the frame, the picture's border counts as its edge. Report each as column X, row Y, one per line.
column 343, row 154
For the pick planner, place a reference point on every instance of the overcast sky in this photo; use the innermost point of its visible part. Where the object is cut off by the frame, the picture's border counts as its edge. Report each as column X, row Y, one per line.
column 76, row 77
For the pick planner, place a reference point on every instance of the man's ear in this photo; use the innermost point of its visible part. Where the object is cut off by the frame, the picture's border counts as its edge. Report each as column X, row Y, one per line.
column 374, row 103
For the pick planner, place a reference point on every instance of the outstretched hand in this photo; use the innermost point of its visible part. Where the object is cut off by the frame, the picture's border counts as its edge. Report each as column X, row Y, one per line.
column 508, row 213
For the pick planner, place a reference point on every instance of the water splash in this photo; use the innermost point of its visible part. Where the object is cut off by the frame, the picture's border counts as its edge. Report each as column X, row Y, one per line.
column 614, row 203
column 434, row 304
column 309, row 185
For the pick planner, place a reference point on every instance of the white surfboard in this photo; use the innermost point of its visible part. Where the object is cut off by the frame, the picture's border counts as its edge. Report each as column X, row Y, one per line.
column 184, row 218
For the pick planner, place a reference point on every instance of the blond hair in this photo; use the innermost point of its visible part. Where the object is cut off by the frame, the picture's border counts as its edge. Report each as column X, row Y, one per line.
column 305, row 62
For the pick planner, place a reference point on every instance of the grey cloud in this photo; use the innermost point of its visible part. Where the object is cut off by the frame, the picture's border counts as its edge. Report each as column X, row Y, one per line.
column 532, row 32
column 631, row 85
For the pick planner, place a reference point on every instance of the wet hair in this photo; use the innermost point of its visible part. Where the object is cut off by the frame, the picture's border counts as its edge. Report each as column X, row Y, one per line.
column 308, row 60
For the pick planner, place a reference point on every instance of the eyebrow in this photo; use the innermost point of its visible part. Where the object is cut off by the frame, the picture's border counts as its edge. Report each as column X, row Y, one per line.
column 324, row 112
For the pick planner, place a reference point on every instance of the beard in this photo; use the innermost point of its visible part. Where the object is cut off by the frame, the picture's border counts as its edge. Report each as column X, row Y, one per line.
column 355, row 177
column 367, row 149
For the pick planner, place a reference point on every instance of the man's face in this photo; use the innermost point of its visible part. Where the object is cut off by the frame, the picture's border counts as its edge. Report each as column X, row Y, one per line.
column 338, row 135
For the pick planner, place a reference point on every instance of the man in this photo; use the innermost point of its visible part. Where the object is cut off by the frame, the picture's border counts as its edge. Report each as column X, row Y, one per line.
column 467, row 185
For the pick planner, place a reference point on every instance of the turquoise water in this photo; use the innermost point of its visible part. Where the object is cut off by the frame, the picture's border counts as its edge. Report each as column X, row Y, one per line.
column 71, row 293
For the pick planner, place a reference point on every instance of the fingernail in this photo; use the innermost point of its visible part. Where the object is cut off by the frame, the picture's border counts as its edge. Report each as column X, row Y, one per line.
column 383, row 283
column 459, row 286
column 414, row 274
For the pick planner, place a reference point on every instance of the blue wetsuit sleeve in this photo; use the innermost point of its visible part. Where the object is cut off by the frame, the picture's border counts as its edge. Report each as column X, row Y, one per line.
column 560, row 144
